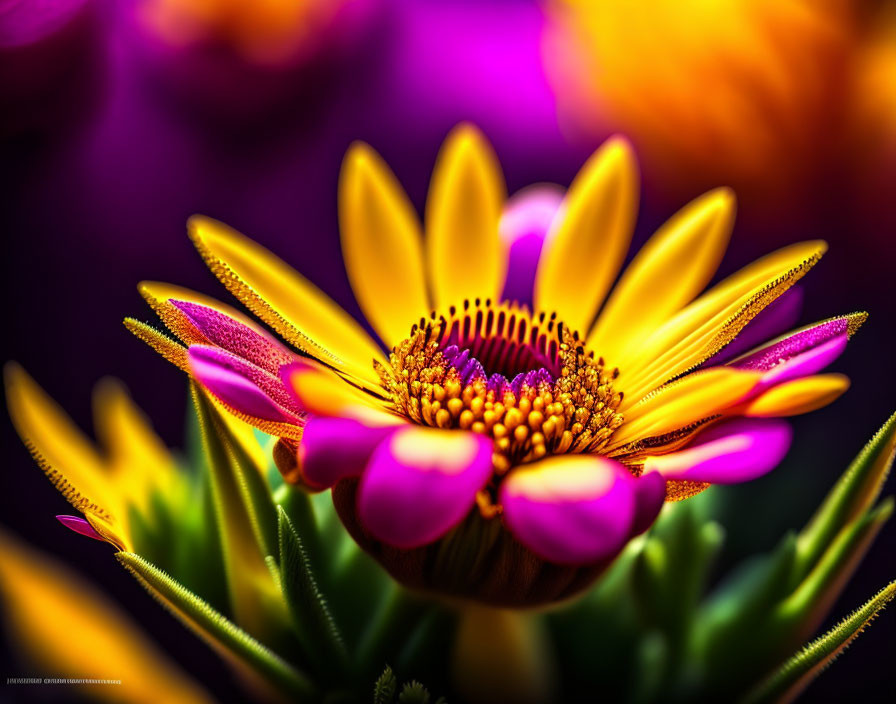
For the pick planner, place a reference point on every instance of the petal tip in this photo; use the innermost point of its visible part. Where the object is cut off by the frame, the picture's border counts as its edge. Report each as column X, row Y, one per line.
column 358, row 156
column 854, row 321
column 620, row 147
column 81, row 526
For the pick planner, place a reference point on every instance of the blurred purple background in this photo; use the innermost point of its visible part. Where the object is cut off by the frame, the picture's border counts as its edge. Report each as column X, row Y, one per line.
column 119, row 140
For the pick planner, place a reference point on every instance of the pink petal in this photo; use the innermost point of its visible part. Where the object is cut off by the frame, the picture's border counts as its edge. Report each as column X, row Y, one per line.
column 797, row 354
column 809, row 362
column 335, row 448
column 420, row 482
column 731, row 452
column 223, row 331
column 241, row 385
column 524, row 226
column 576, row 509
column 650, row 495
column 80, row 525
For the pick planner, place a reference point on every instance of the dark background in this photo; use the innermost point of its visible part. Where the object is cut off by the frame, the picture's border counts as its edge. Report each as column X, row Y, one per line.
column 97, row 185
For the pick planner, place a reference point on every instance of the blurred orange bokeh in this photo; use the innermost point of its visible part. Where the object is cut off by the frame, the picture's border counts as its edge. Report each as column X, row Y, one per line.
column 756, row 94
column 262, row 31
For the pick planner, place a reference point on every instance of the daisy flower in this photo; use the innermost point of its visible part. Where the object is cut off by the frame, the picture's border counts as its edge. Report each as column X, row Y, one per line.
column 499, row 448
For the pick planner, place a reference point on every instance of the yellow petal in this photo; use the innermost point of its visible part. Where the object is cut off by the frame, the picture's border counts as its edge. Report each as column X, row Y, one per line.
column 673, row 267
column 681, row 403
column 323, row 393
column 713, row 320
column 64, row 454
column 465, row 258
column 795, row 397
column 138, row 460
column 171, row 350
column 381, row 244
column 590, row 237
column 245, row 435
column 285, row 300
column 61, row 624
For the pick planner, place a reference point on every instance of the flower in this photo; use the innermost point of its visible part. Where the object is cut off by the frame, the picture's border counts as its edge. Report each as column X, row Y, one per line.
column 113, row 486
column 499, row 451
column 48, row 605
column 750, row 92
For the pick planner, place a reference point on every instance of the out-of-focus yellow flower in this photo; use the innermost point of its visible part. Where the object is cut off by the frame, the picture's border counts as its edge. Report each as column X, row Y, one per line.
column 104, row 486
column 746, row 92
column 61, row 624
column 118, row 483
column 260, row 30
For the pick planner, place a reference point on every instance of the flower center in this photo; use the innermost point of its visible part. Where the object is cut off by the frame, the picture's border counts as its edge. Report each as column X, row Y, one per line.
column 526, row 380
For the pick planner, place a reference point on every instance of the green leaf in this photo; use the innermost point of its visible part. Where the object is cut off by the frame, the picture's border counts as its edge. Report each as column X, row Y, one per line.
column 255, row 600
column 384, row 689
column 196, row 554
column 351, row 567
column 255, row 493
column 388, row 629
column 803, row 610
column 299, row 509
column 652, row 655
column 221, row 633
column 429, row 643
column 414, row 693
column 855, row 492
column 751, row 590
column 668, row 581
column 248, row 476
column 314, row 625
column 799, row 671
column 670, row 574
column 735, row 617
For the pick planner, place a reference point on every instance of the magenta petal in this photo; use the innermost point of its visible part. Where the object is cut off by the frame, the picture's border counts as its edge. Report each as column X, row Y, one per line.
column 241, row 385
column 650, row 495
column 735, row 451
column 334, row 448
column 809, row 362
column 771, row 321
column 80, row 525
column 571, row 510
column 420, row 482
column 223, row 331
column 524, row 228
column 787, row 347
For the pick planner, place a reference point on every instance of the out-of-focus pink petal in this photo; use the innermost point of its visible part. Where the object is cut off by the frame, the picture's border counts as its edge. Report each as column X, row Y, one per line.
column 771, row 321
column 221, row 330
column 241, row 385
column 574, row 509
column 650, row 495
column 80, row 525
column 420, row 482
column 524, row 226
column 334, row 448
column 731, row 452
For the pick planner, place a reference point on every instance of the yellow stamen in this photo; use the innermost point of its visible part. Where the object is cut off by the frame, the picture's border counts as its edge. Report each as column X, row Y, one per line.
column 570, row 407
